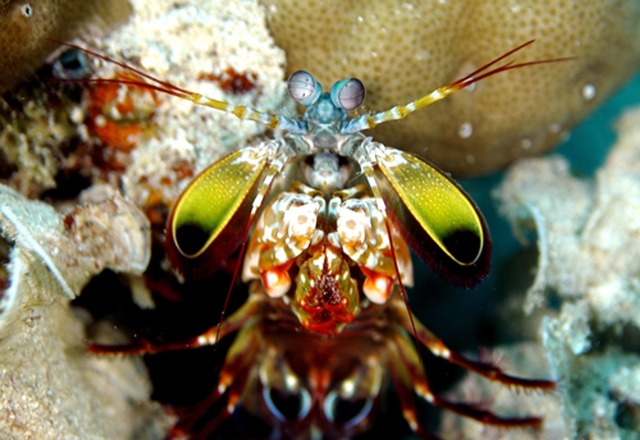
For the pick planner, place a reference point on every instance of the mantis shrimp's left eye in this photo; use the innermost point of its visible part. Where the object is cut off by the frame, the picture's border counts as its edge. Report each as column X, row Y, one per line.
column 304, row 88
column 348, row 94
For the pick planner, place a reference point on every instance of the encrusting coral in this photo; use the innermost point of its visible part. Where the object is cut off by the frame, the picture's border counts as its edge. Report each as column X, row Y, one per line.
column 403, row 50
column 50, row 387
column 589, row 258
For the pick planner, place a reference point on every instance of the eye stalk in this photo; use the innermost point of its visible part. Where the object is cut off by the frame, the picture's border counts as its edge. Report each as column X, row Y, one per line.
column 304, row 88
column 348, row 94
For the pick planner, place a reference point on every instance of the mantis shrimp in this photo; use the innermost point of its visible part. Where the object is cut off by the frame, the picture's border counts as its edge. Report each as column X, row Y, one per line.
column 325, row 218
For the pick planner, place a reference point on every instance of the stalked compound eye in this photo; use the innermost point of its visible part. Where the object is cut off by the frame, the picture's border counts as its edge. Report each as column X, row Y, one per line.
column 304, row 88
column 348, row 94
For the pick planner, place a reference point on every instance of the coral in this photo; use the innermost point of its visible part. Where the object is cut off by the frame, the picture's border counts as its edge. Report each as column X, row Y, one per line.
column 589, row 249
column 37, row 130
column 105, row 231
column 589, row 259
column 404, row 50
column 50, row 387
column 27, row 26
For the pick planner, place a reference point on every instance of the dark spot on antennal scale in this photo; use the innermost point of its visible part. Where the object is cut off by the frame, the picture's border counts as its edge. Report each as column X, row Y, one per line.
column 190, row 238
column 464, row 245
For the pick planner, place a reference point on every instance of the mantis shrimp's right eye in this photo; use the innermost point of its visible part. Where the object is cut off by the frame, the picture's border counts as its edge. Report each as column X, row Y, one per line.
column 304, row 88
